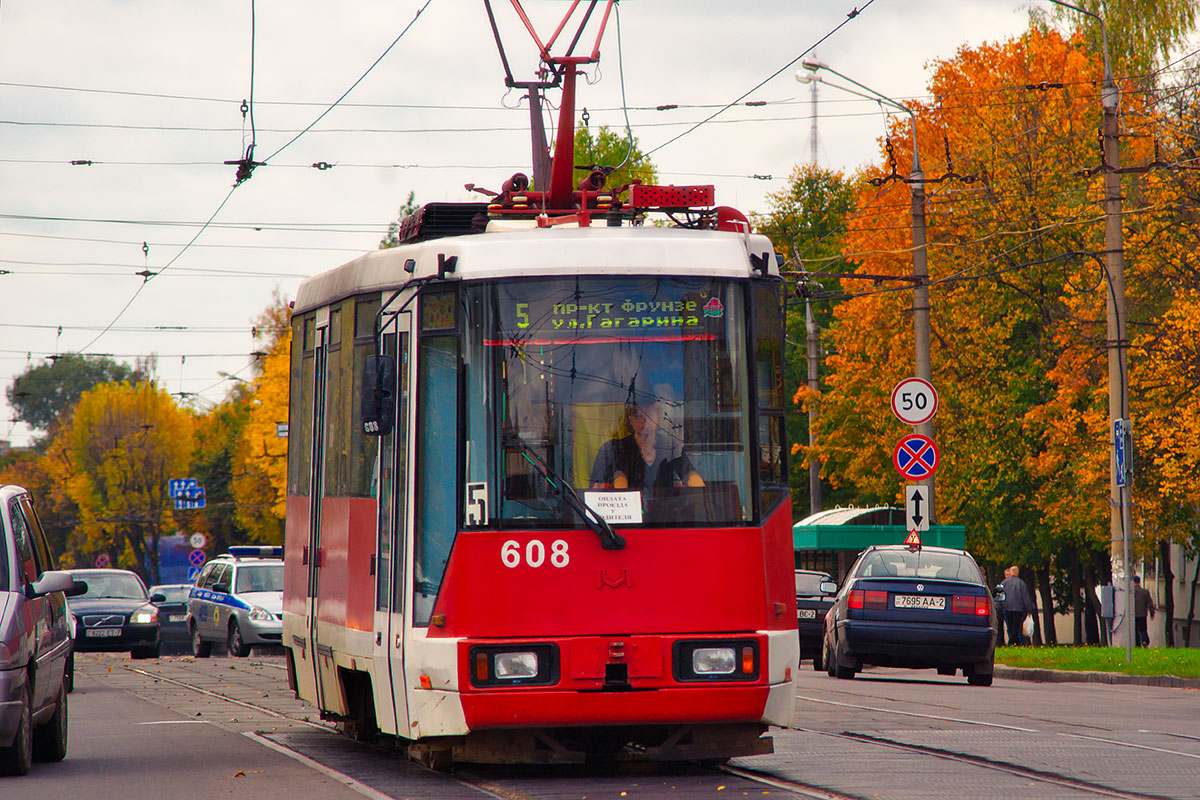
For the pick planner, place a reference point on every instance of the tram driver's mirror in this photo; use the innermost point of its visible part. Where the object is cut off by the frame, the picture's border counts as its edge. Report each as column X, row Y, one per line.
column 378, row 400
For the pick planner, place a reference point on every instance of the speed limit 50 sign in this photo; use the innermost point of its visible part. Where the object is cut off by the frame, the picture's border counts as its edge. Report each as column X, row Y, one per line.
column 914, row 401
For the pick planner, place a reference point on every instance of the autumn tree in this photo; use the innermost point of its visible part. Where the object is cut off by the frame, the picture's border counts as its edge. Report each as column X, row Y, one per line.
column 260, row 478
column 126, row 441
column 1015, row 227
column 806, row 222
column 215, row 467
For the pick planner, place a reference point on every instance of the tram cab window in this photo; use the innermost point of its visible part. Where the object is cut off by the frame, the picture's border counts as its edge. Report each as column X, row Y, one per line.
column 580, row 379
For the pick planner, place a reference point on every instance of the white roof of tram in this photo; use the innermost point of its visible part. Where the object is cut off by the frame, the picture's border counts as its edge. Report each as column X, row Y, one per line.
column 596, row 250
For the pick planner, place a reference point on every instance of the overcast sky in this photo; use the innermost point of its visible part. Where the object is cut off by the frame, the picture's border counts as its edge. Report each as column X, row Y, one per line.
column 150, row 92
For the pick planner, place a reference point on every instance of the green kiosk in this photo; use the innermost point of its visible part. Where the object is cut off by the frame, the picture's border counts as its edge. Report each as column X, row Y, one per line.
column 830, row 540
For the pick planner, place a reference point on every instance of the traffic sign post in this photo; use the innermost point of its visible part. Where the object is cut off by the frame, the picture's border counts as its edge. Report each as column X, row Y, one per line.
column 914, row 401
column 915, row 457
column 916, row 507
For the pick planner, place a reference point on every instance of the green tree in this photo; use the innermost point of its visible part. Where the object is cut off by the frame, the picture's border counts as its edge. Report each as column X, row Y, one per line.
column 393, row 231
column 807, row 222
column 617, row 155
column 43, row 394
column 1141, row 33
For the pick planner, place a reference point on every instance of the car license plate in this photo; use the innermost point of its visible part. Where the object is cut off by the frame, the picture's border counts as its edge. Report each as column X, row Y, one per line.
column 102, row 632
column 920, row 601
column 806, row 613
column 176, row 617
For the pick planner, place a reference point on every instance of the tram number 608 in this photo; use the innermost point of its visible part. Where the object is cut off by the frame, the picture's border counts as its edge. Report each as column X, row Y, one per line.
column 535, row 553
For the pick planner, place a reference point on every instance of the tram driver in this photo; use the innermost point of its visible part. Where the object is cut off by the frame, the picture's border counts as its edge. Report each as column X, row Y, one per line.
column 645, row 459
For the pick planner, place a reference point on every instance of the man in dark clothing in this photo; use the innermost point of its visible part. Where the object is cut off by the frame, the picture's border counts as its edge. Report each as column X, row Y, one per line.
column 1018, row 604
column 645, row 459
column 1143, row 603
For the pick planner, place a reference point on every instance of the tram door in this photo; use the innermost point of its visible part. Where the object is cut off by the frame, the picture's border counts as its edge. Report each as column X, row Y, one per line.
column 391, row 701
column 320, row 654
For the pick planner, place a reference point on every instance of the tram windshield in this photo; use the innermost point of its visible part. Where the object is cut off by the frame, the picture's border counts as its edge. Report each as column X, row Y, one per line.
column 633, row 391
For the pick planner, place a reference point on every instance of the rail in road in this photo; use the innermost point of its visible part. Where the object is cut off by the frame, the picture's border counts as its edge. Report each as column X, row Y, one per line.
column 891, row 734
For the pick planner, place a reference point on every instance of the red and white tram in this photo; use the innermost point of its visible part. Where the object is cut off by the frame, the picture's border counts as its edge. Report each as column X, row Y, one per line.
column 537, row 497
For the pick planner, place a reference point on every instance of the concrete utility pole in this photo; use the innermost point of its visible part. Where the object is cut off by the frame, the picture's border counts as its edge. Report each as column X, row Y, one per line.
column 814, row 359
column 916, row 183
column 1120, row 514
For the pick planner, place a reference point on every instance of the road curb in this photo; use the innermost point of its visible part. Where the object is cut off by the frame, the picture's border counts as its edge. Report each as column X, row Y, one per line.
column 1067, row 676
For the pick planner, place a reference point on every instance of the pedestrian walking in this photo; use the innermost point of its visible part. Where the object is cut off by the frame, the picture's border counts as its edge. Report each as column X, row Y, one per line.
column 1018, row 604
column 1143, row 604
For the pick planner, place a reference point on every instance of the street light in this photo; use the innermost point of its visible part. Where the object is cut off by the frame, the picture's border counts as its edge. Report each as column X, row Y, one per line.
column 1120, row 515
column 916, row 185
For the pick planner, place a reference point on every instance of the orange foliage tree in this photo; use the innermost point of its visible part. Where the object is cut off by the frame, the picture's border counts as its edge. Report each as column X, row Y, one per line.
column 260, row 481
column 1015, row 226
column 125, row 442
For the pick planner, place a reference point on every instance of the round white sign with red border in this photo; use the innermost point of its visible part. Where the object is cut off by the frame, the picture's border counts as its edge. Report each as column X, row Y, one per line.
column 914, row 400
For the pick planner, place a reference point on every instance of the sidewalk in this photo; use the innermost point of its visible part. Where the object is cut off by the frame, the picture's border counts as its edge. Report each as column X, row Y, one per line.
column 1067, row 676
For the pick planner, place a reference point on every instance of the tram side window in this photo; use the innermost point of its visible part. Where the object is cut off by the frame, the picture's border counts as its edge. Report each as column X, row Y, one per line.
column 338, row 382
column 437, row 469
column 767, row 305
column 301, row 410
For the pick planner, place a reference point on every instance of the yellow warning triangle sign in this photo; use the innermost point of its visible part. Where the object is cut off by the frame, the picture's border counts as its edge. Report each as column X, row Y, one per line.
column 914, row 538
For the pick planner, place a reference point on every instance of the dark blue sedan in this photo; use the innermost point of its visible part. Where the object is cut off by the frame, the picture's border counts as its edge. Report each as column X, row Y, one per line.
column 917, row 608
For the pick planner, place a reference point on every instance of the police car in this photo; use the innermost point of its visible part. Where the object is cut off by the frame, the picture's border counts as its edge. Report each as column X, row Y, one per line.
column 238, row 599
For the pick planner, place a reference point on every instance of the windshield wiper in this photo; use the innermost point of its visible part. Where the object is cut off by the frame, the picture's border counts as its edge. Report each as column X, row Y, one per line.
column 609, row 539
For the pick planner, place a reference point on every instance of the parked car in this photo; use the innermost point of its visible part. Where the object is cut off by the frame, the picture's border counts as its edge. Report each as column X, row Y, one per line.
column 35, row 639
column 919, row 608
column 115, row 614
column 814, row 597
column 171, row 600
column 238, row 600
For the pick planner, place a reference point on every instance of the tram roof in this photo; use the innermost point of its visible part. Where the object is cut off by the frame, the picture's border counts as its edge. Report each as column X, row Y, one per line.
column 545, row 252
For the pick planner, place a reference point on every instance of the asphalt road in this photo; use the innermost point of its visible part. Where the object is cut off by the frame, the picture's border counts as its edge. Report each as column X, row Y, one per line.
column 230, row 727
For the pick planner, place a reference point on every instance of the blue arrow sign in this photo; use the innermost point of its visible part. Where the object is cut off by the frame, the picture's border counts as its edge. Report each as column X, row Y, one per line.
column 1119, row 449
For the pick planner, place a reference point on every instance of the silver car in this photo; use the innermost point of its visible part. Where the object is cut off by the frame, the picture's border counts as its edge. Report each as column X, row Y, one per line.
column 35, row 639
column 237, row 599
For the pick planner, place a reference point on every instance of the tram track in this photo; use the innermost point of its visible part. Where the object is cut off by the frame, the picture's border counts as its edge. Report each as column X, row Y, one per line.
column 488, row 782
column 526, row 784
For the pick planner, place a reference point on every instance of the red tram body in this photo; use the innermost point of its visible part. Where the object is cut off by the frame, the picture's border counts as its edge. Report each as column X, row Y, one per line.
column 537, row 490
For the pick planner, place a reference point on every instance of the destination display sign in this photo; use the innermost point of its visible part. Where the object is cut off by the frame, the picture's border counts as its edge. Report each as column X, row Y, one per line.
column 640, row 307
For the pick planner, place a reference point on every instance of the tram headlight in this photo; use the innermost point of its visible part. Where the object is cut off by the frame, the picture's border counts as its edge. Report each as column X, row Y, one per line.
column 716, row 660
column 517, row 664
column 510, row 666
column 713, row 660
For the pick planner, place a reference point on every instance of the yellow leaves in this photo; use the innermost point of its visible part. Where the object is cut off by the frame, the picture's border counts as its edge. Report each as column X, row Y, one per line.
column 260, row 484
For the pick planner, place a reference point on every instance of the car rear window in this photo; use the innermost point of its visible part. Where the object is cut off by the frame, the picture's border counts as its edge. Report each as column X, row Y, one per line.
column 808, row 583
column 174, row 594
column 920, row 564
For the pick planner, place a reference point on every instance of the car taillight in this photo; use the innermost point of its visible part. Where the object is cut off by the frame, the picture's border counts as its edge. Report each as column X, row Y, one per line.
column 869, row 598
column 971, row 604
column 876, row 599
